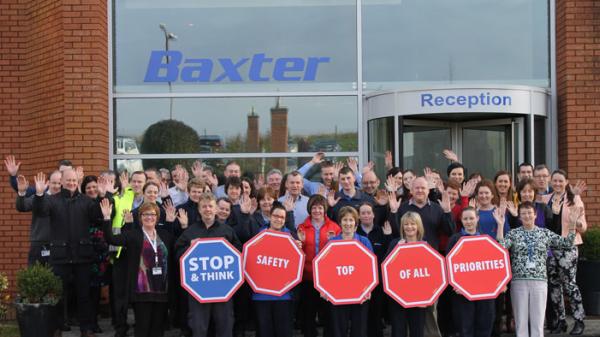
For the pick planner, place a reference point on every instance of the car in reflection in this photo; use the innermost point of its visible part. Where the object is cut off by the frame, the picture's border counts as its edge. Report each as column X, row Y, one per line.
column 210, row 143
column 128, row 145
column 325, row 145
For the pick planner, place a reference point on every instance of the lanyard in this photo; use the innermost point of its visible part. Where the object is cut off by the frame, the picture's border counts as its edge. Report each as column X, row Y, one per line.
column 154, row 245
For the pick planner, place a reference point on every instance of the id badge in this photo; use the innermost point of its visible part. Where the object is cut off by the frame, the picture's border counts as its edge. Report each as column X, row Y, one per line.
column 45, row 252
column 530, row 265
column 157, row 271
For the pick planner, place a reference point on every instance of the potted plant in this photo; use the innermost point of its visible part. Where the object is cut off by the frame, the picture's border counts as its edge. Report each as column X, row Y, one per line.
column 588, row 271
column 38, row 292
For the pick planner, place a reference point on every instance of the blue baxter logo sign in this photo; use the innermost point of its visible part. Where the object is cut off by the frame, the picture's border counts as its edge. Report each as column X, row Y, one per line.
column 211, row 270
column 258, row 68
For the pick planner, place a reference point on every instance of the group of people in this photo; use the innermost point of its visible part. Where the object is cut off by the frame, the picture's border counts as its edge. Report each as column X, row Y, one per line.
column 127, row 230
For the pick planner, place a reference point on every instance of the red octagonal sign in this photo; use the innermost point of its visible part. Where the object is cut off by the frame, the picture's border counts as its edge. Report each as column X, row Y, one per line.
column 273, row 264
column 345, row 272
column 414, row 274
column 478, row 267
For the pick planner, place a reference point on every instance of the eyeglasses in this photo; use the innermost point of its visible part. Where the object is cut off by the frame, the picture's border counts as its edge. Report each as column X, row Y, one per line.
column 149, row 215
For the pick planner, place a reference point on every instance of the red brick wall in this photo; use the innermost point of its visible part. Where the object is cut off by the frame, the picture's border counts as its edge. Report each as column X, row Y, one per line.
column 53, row 99
column 578, row 84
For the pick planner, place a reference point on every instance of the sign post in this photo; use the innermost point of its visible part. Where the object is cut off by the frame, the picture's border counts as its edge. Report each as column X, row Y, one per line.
column 273, row 263
column 478, row 267
column 345, row 272
column 414, row 275
column 211, row 270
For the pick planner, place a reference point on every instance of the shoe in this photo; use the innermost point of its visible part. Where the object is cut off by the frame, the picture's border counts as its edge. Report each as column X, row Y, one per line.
column 577, row 328
column 96, row 329
column 561, row 327
column 65, row 328
column 87, row 334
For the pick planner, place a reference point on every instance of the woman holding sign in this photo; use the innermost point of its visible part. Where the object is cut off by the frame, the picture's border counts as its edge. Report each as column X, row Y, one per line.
column 314, row 233
column 341, row 315
column 474, row 318
column 148, row 261
column 528, row 246
column 411, row 230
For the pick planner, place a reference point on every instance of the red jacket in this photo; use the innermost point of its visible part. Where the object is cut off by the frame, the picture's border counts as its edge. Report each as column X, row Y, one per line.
column 309, row 243
column 456, row 212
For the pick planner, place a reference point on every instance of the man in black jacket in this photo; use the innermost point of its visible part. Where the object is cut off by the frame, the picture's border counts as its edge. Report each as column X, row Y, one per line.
column 71, row 251
column 208, row 227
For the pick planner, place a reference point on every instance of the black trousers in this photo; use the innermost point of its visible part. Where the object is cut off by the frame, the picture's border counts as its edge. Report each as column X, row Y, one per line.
column 80, row 274
column 311, row 304
column 201, row 314
column 475, row 318
column 274, row 318
column 341, row 315
column 376, row 312
column 446, row 322
column 95, row 300
column 118, row 294
column 150, row 318
column 401, row 318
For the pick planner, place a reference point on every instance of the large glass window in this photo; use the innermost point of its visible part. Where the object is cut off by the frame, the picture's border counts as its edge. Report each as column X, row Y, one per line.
column 424, row 42
column 236, row 125
column 234, row 45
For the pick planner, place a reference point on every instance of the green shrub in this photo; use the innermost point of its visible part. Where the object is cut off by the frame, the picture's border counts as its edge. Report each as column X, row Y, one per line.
column 590, row 249
column 38, row 284
column 169, row 136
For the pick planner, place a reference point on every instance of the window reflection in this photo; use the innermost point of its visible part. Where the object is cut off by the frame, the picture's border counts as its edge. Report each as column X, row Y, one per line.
column 237, row 125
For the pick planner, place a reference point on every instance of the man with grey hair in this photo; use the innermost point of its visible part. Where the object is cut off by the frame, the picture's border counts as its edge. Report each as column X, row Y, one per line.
column 274, row 178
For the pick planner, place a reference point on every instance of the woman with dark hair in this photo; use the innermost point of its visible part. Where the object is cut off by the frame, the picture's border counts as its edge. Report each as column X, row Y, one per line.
column 248, row 188
column 526, row 193
column 149, row 264
column 504, row 186
column 265, row 198
column 487, row 201
column 562, row 263
column 314, row 233
column 152, row 191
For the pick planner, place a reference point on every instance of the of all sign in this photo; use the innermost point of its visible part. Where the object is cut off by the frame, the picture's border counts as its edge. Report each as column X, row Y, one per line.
column 211, row 270
column 273, row 263
column 345, row 272
column 478, row 267
column 414, row 274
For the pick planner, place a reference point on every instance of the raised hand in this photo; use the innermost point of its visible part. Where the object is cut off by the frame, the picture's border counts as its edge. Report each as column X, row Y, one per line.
column 182, row 216
column 318, row 158
column 80, row 174
column 110, row 184
column 322, row 190
column 389, row 161
column 394, row 203
column 41, row 183
column 579, row 188
column 289, row 203
column 575, row 213
column 22, row 184
column 259, row 181
column 106, row 208
column 301, row 235
column 511, row 208
column 450, row 155
column 474, row 203
column 197, row 169
column 101, row 186
column 163, row 191
column 124, row 178
column 390, row 184
column 245, row 205
column 445, row 202
column 253, row 205
column 367, row 168
column 468, row 188
column 12, row 166
column 127, row 216
column 387, row 228
column 499, row 217
column 381, row 198
column 184, row 177
column 352, row 164
column 336, row 169
column 557, row 203
column 429, row 176
column 331, row 199
column 213, row 182
column 170, row 210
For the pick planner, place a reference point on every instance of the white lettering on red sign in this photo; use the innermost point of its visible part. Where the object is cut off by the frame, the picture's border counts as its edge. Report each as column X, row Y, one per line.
column 345, row 270
column 465, row 267
column 272, row 261
column 414, row 273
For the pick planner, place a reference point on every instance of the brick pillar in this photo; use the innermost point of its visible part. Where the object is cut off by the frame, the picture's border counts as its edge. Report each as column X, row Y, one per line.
column 252, row 133
column 578, row 80
column 279, row 134
column 53, row 99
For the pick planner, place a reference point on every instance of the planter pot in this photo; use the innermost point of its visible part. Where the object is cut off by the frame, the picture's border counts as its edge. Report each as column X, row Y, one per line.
column 37, row 320
column 588, row 280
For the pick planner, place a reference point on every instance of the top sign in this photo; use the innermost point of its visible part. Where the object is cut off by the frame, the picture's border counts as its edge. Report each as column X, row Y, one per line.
column 211, row 270
column 273, row 263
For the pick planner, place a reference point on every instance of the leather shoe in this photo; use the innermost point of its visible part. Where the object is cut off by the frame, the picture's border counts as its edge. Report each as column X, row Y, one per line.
column 577, row 328
column 65, row 327
column 561, row 327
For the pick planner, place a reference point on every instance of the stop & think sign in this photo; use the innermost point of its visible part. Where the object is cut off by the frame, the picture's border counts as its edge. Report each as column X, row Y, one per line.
column 273, row 263
column 478, row 267
column 345, row 272
column 414, row 274
column 211, row 270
